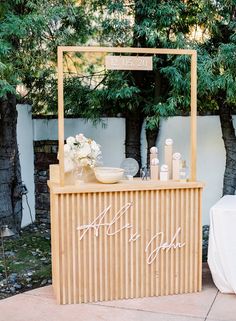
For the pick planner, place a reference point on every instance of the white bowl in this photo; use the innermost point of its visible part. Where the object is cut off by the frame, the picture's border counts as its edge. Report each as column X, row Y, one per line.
column 108, row 175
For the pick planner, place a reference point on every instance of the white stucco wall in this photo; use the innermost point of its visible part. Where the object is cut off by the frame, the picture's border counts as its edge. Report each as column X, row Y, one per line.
column 210, row 153
column 110, row 134
column 210, row 149
column 25, row 144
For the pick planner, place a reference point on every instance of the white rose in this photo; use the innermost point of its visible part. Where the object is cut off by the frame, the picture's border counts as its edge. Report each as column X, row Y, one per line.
column 70, row 140
column 68, row 165
column 84, row 151
column 95, row 149
column 66, row 149
column 95, row 146
column 80, row 138
column 69, row 152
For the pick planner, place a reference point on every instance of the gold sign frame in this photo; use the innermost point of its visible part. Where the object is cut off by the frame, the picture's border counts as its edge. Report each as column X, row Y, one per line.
column 154, row 51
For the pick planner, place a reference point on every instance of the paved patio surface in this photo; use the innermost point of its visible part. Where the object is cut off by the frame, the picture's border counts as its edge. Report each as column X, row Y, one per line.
column 40, row 305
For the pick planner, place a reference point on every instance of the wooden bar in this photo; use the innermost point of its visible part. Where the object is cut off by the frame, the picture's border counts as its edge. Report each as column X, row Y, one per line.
column 61, row 113
column 160, row 51
column 193, row 145
column 131, row 239
column 151, row 248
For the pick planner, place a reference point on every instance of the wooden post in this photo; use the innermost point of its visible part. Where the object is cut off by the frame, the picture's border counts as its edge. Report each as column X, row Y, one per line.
column 61, row 114
column 193, row 116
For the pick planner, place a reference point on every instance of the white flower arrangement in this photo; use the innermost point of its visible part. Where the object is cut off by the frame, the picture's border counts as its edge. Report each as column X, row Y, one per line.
column 80, row 151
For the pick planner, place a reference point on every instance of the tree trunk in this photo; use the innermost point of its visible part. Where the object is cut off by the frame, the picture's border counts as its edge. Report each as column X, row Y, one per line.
column 134, row 121
column 228, row 135
column 152, row 134
column 10, row 171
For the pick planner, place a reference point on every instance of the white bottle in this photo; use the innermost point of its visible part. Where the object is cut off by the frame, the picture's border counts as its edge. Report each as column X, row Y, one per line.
column 176, row 164
column 183, row 172
column 164, row 173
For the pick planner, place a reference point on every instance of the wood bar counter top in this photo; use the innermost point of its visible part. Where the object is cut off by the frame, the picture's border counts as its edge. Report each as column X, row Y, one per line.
column 128, row 185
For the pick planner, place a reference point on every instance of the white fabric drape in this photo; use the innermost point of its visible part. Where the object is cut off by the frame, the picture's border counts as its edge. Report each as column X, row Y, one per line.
column 222, row 244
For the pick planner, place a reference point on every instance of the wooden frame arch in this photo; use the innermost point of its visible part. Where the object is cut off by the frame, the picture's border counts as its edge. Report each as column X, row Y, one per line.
column 161, row 51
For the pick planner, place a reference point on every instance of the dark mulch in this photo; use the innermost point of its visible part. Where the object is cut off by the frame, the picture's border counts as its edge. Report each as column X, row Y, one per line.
column 28, row 261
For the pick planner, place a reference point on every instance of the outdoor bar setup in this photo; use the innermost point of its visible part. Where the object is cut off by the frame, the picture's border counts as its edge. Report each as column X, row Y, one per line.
column 120, row 237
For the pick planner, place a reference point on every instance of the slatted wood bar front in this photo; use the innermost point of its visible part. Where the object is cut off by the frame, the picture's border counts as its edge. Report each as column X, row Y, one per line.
column 127, row 240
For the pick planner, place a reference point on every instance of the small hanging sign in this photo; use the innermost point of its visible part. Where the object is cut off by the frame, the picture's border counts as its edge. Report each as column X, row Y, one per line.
column 128, row 63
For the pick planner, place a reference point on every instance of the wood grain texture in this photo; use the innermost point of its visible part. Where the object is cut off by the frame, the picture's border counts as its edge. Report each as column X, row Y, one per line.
column 108, row 266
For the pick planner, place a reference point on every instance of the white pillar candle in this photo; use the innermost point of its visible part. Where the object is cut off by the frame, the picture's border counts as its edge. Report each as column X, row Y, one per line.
column 168, row 155
column 176, row 166
column 154, row 169
column 153, row 153
column 164, row 176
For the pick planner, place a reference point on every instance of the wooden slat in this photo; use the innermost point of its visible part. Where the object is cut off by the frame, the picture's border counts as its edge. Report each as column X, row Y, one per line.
column 153, row 207
column 168, row 236
column 127, row 251
column 137, row 224
column 78, row 245
column 199, row 240
column 177, row 224
column 74, row 248
column 191, row 238
column 157, row 263
column 84, row 260
column 132, row 252
column 69, row 247
column 106, row 200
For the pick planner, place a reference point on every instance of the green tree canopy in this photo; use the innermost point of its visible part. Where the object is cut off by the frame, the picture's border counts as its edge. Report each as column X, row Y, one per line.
column 137, row 95
column 30, row 32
